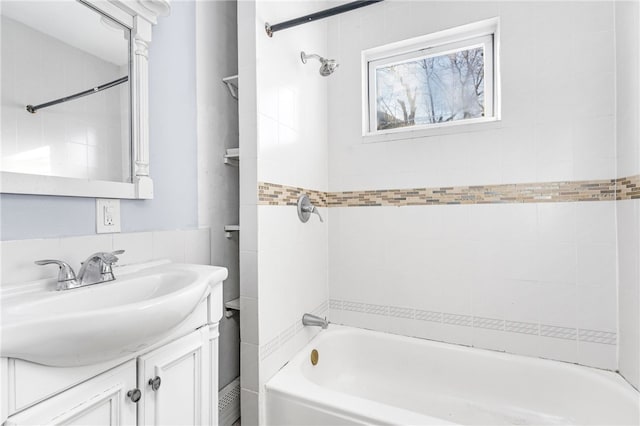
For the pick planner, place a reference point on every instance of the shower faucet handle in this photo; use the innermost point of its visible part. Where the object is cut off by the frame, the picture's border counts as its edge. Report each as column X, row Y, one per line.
column 312, row 209
column 305, row 208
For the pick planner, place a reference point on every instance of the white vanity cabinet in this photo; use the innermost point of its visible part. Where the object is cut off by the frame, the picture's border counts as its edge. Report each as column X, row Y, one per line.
column 100, row 401
column 174, row 382
column 173, row 385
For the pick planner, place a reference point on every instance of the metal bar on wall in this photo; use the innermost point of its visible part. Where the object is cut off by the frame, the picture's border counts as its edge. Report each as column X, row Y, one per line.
column 270, row 29
column 33, row 108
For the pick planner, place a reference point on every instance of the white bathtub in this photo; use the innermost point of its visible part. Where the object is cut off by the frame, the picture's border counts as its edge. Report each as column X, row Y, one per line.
column 365, row 377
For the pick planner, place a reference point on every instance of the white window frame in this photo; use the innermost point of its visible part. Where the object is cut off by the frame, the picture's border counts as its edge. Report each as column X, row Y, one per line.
column 484, row 33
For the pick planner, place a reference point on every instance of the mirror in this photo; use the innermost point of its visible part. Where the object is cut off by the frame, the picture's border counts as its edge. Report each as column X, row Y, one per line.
column 65, row 92
column 74, row 97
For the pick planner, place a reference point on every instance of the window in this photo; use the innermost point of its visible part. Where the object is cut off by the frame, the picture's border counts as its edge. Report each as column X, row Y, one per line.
column 437, row 80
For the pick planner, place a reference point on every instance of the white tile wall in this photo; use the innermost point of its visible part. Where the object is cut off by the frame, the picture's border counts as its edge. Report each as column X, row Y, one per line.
column 186, row 246
column 628, row 87
column 249, row 366
column 250, row 320
column 480, row 275
column 169, row 244
column 248, row 28
column 249, row 403
column 293, row 273
column 283, row 139
column 627, row 18
column 80, row 139
column 521, row 278
column 291, row 101
column 278, row 350
column 249, row 277
column 555, row 125
column 629, row 289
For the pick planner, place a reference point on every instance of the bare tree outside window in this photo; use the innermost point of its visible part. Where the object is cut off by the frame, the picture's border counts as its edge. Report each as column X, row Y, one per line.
column 435, row 89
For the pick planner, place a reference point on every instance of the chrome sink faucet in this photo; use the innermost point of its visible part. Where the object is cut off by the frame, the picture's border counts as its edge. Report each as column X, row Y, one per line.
column 96, row 269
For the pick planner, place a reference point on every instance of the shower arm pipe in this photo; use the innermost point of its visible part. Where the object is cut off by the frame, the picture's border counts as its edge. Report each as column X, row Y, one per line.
column 33, row 108
column 270, row 29
column 306, row 56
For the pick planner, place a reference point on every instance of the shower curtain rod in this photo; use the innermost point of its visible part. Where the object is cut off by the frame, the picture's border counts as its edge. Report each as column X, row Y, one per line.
column 33, row 108
column 270, row 29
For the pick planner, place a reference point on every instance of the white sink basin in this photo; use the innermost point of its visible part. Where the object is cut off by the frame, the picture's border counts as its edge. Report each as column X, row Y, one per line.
column 103, row 321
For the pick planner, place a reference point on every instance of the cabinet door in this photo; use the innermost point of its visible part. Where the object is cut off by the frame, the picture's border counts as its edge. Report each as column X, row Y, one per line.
column 99, row 401
column 182, row 370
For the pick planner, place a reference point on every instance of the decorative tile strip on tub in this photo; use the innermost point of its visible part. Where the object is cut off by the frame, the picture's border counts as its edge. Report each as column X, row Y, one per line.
column 290, row 332
column 488, row 323
column 507, row 326
column 521, row 327
column 595, row 336
column 558, row 332
column 542, row 192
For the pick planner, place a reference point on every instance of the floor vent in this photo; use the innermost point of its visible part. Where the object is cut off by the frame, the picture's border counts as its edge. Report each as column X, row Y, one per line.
column 229, row 403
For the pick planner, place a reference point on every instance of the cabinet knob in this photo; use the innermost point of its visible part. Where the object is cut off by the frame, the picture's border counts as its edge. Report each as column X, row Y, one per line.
column 155, row 383
column 134, row 395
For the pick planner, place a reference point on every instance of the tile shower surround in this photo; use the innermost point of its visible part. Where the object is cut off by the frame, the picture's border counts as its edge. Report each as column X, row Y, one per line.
column 567, row 191
column 289, row 332
column 625, row 188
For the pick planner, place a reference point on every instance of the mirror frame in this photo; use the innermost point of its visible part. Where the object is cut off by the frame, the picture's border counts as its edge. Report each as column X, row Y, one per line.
column 139, row 16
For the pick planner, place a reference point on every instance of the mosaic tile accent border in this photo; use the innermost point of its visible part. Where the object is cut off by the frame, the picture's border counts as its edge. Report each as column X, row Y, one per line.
column 545, row 192
column 273, row 194
column 491, row 194
column 507, row 326
column 628, row 188
column 289, row 332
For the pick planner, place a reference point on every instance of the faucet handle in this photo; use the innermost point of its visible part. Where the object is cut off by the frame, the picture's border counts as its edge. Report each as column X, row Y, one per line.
column 312, row 209
column 316, row 211
column 66, row 271
column 106, row 257
column 108, row 261
column 110, row 258
column 305, row 208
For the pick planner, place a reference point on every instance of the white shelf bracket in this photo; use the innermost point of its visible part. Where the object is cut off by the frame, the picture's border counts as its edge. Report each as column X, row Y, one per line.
column 232, row 84
column 232, row 157
column 231, row 307
column 230, row 229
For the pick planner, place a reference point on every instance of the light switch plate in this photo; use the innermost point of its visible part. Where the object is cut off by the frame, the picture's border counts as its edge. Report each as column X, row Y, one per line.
column 107, row 215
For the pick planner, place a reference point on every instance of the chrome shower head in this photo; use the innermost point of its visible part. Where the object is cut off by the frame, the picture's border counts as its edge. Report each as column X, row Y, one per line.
column 327, row 66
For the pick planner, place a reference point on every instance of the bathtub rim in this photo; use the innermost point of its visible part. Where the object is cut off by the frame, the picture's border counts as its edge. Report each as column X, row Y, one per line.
column 605, row 374
column 290, row 377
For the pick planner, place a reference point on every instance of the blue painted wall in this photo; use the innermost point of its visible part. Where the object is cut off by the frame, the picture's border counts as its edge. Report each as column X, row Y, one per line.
column 173, row 151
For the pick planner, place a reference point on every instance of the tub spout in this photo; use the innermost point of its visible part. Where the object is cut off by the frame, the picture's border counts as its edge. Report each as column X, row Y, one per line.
column 315, row 321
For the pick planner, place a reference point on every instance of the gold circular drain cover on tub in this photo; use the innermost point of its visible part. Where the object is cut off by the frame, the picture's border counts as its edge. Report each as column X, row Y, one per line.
column 314, row 357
